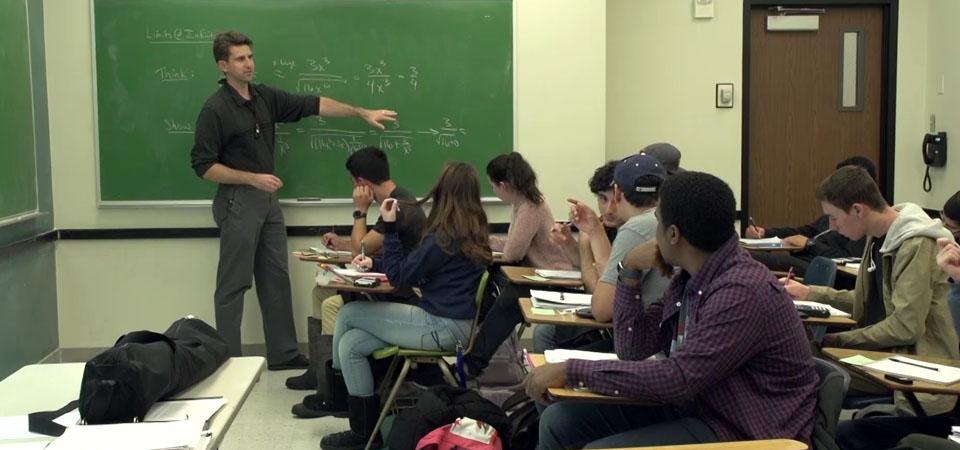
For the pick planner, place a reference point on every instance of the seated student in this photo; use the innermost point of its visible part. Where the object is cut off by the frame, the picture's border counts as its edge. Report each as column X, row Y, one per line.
column 636, row 181
column 737, row 364
column 447, row 267
column 370, row 169
column 951, row 220
column 528, row 238
column 816, row 238
column 900, row 297
column 505, row 314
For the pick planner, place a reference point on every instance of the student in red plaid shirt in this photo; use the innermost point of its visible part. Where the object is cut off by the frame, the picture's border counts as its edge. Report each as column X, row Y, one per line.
column 737, row 363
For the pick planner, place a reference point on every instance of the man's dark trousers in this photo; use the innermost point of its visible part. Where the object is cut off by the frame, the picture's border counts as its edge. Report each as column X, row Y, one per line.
column 253, row 243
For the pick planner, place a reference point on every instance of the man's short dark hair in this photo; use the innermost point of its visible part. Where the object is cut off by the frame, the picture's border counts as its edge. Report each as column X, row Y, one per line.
column 369, row 163
column 850, row 185
column 603, row 177
column 862, row 162
column 223, row 41
column 701, row 206
column 951, row 208
column 643, row 199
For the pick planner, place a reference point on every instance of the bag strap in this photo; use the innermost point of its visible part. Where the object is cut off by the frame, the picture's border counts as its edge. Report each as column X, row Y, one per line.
column 42, row 421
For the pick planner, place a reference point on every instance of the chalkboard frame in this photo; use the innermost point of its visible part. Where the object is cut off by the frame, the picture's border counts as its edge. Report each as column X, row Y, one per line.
column 29, row 214
column 121, row 204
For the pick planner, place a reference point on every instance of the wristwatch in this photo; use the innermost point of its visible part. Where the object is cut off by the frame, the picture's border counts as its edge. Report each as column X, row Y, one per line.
column 631, row 274
column 357, row 214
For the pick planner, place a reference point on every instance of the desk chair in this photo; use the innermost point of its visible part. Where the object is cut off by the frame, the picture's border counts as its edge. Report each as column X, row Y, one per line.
column 834, row 382
column 411, row 356
column 822, row 271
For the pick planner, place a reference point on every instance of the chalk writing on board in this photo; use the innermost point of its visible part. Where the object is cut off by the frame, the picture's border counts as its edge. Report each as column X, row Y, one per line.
column 174, row 73
column 447, row 134
column 332, row 139
column 179, row 36
column 173, row 126
column 400, row 140
column 314, row 76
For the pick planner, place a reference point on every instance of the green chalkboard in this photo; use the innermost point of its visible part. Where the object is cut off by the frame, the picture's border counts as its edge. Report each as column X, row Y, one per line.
column 18, row 161
column 446, row 66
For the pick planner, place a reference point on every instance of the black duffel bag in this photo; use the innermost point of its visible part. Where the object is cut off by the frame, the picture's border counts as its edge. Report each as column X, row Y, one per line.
column 123, row 382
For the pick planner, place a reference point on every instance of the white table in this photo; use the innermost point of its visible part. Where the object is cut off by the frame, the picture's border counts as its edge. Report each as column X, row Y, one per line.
column 46, row 387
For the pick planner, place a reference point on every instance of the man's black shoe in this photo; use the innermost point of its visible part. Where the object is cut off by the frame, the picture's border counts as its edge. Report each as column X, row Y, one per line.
column 304, row 382
column 313, row 407
column 297, row 362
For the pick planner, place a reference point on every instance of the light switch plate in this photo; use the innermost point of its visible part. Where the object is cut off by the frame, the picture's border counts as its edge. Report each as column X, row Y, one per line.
column 724, row 95
column 703, row 9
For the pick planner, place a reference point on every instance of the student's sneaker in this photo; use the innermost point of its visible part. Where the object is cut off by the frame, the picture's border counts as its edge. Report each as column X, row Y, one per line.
column 297, row 362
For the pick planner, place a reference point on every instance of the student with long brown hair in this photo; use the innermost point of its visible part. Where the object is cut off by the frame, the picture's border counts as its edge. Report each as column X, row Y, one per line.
column 447, row 266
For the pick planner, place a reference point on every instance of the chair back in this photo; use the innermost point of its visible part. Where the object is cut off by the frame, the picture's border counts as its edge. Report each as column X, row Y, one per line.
column 822, row 271
column 834, row 382
column 481, row 288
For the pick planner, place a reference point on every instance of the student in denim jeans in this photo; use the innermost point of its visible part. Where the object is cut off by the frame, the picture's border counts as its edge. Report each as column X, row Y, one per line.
column 447, row 266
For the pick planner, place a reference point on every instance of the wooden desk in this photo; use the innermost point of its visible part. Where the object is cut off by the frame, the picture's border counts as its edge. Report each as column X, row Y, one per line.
column 909, row 390
column 384, row 288
column 337, row 260
column 832, row 321
column 848, row 270
column 516, row 276
column 579, row 395
column 766, row 444
column 47, row 387
column 558, row 319
column 765, row 248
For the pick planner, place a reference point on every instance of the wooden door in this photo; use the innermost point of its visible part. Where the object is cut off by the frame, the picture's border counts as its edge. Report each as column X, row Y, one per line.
column 798, row 129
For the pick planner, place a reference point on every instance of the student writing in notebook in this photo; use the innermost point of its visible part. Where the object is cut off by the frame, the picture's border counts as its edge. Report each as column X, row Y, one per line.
column 369, row 168
column 814, row 239
column 446, row 266
column 900, row 297
column 738, row 365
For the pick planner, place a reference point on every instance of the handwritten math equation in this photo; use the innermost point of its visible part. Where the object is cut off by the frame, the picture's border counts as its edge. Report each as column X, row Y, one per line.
column 315, row 75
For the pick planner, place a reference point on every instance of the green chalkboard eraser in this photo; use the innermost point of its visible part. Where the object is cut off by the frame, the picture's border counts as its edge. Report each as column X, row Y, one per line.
column 309, row 199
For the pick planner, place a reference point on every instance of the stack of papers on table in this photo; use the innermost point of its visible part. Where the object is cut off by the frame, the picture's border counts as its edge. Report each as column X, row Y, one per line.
column 834, row 312
column 560, row 355
column 551, row 299
column 765, row 242
column 916, row 369
column 560, row 274
column 182, row 434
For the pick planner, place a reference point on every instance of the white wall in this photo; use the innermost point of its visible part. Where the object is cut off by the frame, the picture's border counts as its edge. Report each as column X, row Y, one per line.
column 662, row 67
column 108, row 287
column 943, row 60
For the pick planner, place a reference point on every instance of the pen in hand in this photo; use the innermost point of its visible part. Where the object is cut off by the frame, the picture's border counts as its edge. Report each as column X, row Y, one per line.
column 790, row 274
column 363, row 255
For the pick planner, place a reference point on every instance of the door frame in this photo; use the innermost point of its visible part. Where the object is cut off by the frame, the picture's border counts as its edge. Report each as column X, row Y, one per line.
column 888, row 91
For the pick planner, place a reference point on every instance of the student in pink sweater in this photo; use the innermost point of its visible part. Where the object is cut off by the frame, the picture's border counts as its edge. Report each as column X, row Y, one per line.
column 527, row 241
column 528, row 238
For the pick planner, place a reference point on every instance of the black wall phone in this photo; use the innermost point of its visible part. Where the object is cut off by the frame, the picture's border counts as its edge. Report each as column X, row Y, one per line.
column 934, row 149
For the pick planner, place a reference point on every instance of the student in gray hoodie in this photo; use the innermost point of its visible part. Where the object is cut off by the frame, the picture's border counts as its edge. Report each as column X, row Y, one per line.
column 900, row 297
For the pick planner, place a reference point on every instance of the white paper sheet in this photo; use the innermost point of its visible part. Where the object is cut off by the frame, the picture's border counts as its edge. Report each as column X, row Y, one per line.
column 560, row 355
column 910, row 368
column 16, row 427
column 833, row 311
column 765, row 242
column 545, row 298
column 131, row 436
column 559, row 274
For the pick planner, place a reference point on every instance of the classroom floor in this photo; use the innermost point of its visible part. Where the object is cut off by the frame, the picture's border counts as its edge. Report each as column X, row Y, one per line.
column 265, row 421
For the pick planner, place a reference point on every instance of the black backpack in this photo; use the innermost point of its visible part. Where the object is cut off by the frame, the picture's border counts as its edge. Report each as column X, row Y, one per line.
column 438, row 406
column 524, row 422
column 123, row 382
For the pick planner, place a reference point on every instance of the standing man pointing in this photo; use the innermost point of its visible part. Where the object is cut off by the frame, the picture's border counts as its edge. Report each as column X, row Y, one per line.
column 234, row 146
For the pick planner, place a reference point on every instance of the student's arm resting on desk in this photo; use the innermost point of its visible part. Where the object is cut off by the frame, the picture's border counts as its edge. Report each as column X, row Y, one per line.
column 589, row 274
column 601, row 302
column 915, row 274
column 725, row 336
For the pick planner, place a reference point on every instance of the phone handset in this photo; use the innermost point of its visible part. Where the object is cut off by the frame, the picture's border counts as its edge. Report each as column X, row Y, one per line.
column 934, row 150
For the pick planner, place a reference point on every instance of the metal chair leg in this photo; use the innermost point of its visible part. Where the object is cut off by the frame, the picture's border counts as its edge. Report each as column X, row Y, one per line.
column 389, row 403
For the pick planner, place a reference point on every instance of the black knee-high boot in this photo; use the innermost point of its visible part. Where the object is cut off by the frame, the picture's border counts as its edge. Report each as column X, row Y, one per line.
column 364, row 412
column 330, row 399
column 318, row 343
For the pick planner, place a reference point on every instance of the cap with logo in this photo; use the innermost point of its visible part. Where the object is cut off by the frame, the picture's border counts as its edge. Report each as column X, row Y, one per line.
column 631, row 170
